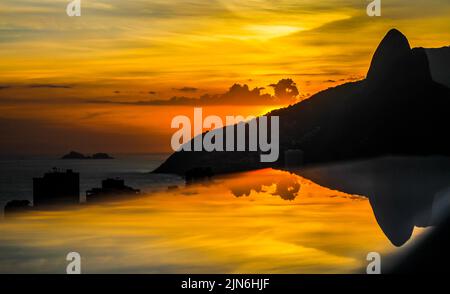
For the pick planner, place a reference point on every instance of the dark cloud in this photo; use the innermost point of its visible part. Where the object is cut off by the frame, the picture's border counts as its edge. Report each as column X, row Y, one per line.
column 186, row 89
column 286, row 92
column 45, row 100
column 50, row 86
column 316, row 74
column 349, row 79
column 355, row 78
column 285, row 89
column 91, row 115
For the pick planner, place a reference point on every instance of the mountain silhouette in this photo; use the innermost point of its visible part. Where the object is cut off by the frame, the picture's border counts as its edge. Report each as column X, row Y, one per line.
column 397, row 110
column 395, row 64
column 439, row 59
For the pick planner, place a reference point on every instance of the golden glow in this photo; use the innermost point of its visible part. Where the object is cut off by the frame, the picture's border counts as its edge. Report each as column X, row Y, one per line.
column 144, row 50
column 264, row 221
column 149, row 125
column 160, row 45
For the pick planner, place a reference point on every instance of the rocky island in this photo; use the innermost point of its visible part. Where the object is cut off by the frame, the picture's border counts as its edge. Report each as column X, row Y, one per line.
column 78, row 155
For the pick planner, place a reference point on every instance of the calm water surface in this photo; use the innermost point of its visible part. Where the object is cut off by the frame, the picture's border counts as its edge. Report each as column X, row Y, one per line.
column 17, row 173
column 265, row 221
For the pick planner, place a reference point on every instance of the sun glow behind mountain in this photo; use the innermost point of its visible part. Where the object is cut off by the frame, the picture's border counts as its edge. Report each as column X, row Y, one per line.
column 139, row 50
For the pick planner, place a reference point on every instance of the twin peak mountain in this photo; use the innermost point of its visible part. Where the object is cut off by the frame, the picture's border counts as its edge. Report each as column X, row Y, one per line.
column 398, row 109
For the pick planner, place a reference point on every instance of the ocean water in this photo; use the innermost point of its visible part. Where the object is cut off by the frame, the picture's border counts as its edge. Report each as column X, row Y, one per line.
column 264, row 221
column 17, row 173
column 321, row 219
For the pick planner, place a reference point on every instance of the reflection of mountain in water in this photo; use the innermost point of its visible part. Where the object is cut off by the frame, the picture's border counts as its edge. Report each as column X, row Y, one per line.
column 287, row 186
column 403, row 192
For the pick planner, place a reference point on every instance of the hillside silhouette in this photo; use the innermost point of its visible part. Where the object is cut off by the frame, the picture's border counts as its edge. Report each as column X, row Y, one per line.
column 439, row 59
column 397, row 110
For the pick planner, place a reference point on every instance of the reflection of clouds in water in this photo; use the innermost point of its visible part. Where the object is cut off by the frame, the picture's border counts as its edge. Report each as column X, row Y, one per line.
column 22, row 259
column 212, row 231
column 287, row 189
column 285, row 186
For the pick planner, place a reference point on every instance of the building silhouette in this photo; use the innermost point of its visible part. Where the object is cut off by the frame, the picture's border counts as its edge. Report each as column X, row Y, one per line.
column 56, row 188
column 110, row 188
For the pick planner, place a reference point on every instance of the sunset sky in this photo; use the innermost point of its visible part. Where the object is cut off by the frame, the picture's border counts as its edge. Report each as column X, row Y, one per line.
column 54, row 69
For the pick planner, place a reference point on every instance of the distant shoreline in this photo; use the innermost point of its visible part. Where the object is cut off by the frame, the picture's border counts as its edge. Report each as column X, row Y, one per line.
column 80, row 156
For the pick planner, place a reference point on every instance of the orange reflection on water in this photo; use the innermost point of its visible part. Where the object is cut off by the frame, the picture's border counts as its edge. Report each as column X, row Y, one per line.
column 264, row 221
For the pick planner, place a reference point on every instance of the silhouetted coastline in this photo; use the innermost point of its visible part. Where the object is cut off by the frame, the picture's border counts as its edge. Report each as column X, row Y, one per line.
column 111, row 188
column 397, row 110
column 57, row 189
